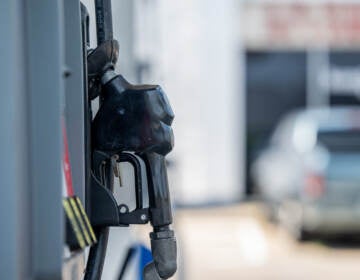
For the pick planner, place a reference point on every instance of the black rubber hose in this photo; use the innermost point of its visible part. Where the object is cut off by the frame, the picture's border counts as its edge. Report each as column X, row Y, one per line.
column 97, row 252
column 103, row 15
column 130, row 254
column 97, row 255
column 104, row 32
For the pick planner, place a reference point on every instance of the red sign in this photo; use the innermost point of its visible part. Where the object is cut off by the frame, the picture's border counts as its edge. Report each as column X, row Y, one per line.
column 301, row 25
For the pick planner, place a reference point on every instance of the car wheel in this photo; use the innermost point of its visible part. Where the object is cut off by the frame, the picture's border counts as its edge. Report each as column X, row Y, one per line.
column 301, row 235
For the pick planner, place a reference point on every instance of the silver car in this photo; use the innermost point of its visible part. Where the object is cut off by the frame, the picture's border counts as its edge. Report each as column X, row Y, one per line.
column 310, row 173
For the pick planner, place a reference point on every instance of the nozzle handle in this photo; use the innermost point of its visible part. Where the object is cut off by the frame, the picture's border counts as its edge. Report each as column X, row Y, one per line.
column 159, row 197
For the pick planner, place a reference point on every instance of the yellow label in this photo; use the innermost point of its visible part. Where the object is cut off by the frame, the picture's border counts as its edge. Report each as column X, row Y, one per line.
column 86, row 219
column 74, row 224
column 82, row 225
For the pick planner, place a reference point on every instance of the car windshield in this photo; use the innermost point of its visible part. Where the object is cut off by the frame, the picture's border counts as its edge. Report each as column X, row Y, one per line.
column 340, row 141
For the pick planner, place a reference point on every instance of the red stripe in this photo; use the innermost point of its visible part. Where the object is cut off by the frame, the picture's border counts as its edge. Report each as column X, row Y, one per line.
column 66, row 163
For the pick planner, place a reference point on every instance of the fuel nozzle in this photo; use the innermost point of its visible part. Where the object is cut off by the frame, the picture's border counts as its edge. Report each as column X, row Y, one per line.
column 163, row 242
column 137, row 118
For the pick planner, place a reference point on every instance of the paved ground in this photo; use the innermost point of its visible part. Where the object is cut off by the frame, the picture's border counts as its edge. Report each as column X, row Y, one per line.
column 237, row 243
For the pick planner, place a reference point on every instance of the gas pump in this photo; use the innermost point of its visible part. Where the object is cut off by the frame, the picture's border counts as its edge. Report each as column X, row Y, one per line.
column 133, row 124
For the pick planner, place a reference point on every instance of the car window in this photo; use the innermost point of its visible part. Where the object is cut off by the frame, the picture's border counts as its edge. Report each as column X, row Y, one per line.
column 340, row 141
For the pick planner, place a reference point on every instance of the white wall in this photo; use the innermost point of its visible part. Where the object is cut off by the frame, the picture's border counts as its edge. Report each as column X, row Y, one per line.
column 194, row 52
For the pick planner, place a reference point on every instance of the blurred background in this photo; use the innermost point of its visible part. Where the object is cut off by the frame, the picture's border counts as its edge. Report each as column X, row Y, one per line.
column 265, row 172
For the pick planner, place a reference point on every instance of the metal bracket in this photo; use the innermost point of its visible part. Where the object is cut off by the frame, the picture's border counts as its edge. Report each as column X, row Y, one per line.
column 139, row 216
column 104, row 208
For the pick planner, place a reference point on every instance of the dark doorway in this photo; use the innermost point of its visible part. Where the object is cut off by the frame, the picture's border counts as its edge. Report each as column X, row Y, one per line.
column 275, row 85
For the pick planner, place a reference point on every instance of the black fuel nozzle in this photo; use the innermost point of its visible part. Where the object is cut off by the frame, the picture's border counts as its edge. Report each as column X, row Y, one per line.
column 138, row 119
column 163, row 242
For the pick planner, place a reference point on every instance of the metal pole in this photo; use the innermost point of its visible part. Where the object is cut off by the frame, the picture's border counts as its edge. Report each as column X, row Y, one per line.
column 15, row 216
column 45, row 91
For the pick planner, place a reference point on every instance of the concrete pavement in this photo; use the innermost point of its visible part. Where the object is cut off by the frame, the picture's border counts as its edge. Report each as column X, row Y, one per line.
column 238, row 243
